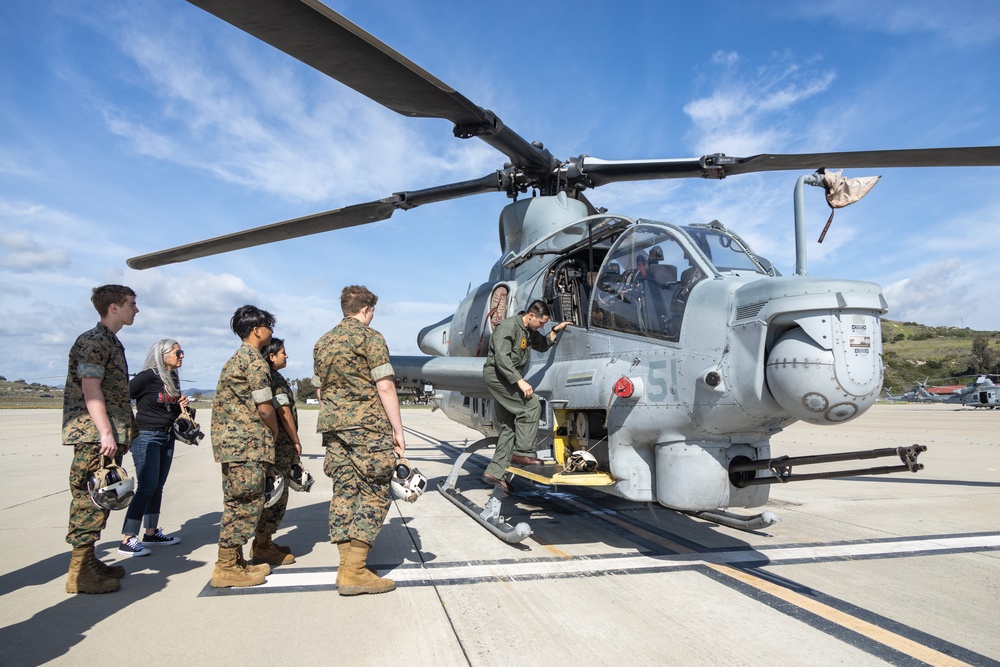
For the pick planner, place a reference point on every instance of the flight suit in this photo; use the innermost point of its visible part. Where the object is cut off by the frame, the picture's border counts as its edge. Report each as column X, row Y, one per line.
column 509, row 352
column 284, row 453
column 242, row 443
column 348, row 360
column 96, row 354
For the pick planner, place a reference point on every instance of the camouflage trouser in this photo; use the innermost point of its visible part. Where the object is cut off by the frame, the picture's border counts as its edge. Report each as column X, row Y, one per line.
column 360, row 463
column 86, row 520
column 518, row 419
column 270, row 517
column 242, row 501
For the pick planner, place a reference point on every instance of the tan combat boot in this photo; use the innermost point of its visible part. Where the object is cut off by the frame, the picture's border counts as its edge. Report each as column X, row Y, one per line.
column 264, row 550
column 263, row 567
column 359, row 580
column 85, row 576
column 344, row 549
column 229, row 573
column 113, row 571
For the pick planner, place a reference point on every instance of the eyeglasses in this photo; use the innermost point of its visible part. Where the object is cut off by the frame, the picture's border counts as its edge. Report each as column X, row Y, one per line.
column 179, row 353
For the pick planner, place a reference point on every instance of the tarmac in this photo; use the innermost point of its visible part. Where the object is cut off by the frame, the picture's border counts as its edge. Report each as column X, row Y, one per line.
column 900, row 570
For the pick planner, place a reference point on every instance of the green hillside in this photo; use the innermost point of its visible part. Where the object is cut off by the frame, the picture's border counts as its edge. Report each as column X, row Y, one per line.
column 21, row 394
column 915, row 352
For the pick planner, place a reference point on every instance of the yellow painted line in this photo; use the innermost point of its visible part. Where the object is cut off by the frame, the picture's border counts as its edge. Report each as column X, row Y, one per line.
column 881, row 635
column 558, row 552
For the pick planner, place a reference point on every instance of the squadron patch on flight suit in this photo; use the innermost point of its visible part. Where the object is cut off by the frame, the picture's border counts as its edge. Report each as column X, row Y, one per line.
column 524, row 343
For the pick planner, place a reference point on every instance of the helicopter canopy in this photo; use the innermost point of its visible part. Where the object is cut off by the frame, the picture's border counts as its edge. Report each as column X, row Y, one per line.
column 646, row 278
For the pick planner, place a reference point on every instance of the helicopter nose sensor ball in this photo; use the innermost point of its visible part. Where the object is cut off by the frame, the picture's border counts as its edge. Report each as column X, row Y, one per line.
column 825, row 384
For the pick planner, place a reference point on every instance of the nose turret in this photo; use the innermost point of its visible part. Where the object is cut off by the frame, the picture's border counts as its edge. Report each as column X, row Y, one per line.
column 827, row 369
column 818, row 344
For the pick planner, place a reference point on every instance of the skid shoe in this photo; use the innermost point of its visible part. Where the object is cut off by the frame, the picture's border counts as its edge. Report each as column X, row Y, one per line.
column 488, row 517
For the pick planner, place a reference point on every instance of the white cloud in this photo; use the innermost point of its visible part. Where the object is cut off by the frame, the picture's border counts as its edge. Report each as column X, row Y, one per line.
column 947, row 292
column 959, row 22
column 745, row 108
column 19, row 252
column 721, row 57
column 246, row 114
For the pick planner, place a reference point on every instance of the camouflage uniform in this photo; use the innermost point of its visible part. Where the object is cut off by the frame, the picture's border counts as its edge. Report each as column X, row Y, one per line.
column 242, row 443
column 510, row 349
column 96, row 354
column 284, row 453
column 348, row 361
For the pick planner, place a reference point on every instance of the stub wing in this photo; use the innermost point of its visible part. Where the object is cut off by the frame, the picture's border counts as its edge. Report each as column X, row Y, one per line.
column 463, row 374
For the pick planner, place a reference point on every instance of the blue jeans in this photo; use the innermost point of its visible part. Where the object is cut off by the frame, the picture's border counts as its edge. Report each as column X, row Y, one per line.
column 152, row 453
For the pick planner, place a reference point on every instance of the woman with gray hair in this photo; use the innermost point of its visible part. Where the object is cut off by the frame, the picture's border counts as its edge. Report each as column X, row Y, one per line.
column 158, row 399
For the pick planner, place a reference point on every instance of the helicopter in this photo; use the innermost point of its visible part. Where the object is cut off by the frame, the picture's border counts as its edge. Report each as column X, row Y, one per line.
column 911, row 396
column 982, row 393
column 673, row 378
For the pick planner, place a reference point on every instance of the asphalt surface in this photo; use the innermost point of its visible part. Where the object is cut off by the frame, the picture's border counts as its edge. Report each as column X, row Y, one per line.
column 900, row 570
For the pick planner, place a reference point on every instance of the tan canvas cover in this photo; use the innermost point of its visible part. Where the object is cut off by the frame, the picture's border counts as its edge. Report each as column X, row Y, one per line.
column 841, row 192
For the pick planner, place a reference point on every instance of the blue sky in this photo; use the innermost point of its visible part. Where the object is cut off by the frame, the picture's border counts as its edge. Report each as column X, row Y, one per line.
column 128, row 127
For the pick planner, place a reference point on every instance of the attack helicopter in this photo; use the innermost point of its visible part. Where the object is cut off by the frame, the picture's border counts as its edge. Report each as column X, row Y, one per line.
column 674, row 376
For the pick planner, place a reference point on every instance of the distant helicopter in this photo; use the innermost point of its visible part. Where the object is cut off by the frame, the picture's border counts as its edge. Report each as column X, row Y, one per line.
column 911, row 396
column 675, row 377
column 983, row 393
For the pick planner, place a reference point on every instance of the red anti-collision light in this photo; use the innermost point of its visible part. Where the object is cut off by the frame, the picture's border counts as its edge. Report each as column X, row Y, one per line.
column 624, row 388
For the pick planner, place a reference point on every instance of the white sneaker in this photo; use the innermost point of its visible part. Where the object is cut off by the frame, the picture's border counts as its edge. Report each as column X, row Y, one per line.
column 132, row 547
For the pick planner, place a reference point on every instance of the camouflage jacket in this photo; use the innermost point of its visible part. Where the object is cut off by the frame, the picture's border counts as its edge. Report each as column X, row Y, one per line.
column 510, row 349
column 238, row 432
column 348, row 360
column 283, row 397
column 97, row 354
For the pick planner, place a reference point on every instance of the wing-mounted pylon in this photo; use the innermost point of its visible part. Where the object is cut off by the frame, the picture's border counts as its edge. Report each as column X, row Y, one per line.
column 464, row 374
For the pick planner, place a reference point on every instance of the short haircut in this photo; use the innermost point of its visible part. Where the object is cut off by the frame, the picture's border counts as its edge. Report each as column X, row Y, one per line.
column 356, row 298
column 247, row 318
column 274, row 347
column 102, row 297
column 539, row 309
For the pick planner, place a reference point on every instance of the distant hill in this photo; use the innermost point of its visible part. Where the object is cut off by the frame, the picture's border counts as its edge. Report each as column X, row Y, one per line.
column 21, row 394
column 916, row 352
column 206, row 394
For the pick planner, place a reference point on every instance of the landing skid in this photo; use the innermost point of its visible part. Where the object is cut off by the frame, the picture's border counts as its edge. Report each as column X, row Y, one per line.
column 738, row 521
column 489, row 517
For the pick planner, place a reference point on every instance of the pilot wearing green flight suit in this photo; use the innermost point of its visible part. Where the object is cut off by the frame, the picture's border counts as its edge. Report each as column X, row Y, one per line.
column 516, row 407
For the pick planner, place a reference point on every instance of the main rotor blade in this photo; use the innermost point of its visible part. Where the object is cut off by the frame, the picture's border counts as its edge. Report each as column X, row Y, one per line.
column 599, row 172
column 975, row 156
column 341, row 218
column 313, row 33
column 359, row 214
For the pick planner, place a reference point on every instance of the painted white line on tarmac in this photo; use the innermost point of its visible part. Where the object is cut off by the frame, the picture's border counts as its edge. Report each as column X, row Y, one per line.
column 587, row 566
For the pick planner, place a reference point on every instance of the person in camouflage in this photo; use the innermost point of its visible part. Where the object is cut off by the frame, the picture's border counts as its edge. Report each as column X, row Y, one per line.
column 244, row 428
column 287, row 450
column 515, row 404
column 362, row 433
column 97, row 423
